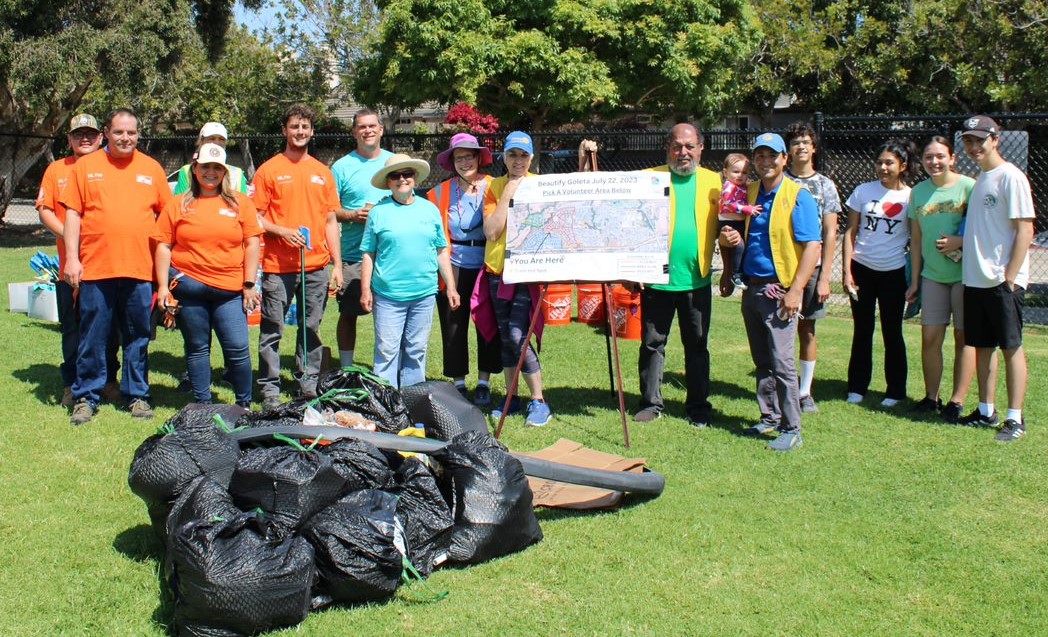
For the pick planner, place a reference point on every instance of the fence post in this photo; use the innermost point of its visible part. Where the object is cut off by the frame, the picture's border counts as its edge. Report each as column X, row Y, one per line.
column 820, row 156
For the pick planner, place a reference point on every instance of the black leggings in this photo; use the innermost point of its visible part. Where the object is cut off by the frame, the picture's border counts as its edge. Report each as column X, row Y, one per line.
column 886, row 290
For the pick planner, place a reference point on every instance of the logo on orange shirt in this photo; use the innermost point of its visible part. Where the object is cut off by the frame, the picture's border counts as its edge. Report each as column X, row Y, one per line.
column 317, row 179
column 226, row 212
column 95, row 176
column 282, row 178
column 144, row 179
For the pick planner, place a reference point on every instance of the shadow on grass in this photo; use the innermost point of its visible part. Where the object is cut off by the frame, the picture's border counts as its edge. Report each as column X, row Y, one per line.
column 629, row 501
column 140, row 544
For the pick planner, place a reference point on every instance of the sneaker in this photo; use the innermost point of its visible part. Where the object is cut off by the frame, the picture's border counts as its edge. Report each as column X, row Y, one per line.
column 951, row 413
column 111, row 393
column 269, row 403
column 514, row 408
column 482, row 396
column 1011, row 431
column 808, row 405
column 461, row 389
column 737, row 281
column 184, row 385
column 927, row 406
column 83, row 412
column 139, row 408
column 67, row 397
column 762, row 427
column 647, row 414
column 538, row 414
column 854, row 398
column 890, row 402
column 976, row 419
column 786, row 441
column 699, row 423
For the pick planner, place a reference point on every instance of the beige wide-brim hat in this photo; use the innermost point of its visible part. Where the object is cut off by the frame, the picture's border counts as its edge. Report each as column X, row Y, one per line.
column 400, row 162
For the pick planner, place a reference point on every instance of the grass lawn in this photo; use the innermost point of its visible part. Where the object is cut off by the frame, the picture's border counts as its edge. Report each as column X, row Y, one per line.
column 878, row 525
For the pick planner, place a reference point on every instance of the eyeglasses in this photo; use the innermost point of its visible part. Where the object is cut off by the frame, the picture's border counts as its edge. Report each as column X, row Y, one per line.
column 459, row 159
column 84, row 132
column 404, row 174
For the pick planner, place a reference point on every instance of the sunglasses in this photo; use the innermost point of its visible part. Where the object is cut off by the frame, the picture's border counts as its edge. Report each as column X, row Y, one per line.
column 404, row 174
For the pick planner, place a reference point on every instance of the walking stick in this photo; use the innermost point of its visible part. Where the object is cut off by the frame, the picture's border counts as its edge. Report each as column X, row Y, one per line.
column 302, row 296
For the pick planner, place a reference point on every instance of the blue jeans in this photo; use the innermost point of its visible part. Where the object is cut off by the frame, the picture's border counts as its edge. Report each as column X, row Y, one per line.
column 401, row 337
column 69, row 320
column 206, row 308
column 125, row 302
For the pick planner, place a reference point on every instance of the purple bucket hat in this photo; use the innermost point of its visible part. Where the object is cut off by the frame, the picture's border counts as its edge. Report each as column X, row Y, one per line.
column 462, row 140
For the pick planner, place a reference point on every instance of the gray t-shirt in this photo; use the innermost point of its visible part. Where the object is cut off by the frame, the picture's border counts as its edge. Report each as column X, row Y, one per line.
column 823, row 189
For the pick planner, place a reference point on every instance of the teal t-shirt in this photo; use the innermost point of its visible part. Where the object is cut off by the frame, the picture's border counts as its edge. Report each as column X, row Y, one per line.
column 939, row 211
column 353, row 176
column 684, row 244
column 405, row 240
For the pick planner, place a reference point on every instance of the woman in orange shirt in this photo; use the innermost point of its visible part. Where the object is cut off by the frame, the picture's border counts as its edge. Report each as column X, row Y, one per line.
column 207, row 259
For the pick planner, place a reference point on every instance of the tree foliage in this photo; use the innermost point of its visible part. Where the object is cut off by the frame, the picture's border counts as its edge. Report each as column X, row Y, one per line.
column 548, row 61
column 465, row 118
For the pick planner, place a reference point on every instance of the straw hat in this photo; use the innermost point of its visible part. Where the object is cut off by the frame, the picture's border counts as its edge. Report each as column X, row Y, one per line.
column 399, row 162
column 446, row 159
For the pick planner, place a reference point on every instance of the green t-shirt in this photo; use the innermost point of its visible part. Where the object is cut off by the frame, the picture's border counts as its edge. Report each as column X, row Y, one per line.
column 684, row 244
column 939, row 212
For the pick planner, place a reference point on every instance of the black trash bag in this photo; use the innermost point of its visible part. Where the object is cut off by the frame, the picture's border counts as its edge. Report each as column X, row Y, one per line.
column 166, row 463
column 442, row 409
column 202, row 499
column 424, row 514
column 233, row 577
column 362, row 464
column 288, row 414
column 289, row 484
column 489, row 496
column 355, row 543
column 382, row 404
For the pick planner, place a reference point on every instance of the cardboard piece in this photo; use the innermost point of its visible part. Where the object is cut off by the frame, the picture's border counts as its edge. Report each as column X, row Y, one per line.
column 549, row 493
column 18, row 296
column 43, row 303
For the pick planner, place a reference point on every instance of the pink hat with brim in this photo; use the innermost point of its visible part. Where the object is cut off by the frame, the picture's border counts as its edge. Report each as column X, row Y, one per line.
column 466, row 141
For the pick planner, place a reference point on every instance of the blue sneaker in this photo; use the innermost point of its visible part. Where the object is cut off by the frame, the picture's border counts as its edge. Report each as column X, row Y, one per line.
column 514, row 408
column 786, row 441
column 538, row 414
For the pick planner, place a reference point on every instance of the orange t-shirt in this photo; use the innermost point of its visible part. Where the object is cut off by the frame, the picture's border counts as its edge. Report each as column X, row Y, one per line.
column 56, row 178
column 118, row 201
column 295, row 194
column 207, row 241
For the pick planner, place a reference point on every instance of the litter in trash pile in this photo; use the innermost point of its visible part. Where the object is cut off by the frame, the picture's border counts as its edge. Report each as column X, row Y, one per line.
column 260, row 528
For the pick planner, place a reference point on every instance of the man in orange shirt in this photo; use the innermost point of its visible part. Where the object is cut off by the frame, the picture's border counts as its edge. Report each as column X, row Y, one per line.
column 111, row 205
column 84, row 138
column 292, row 190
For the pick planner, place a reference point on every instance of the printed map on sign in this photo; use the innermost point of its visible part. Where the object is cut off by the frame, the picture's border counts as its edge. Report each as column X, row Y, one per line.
column 589, row 227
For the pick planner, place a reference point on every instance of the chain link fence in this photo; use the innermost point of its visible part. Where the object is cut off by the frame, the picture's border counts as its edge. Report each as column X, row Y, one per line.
column 845, row 154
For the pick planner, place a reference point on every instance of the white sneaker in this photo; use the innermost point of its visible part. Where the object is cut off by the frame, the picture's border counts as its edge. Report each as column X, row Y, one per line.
column 890, row 402
column 854, row 398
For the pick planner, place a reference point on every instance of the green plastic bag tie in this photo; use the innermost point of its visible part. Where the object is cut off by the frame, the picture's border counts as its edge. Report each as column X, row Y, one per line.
column 296, row 444
column 341, row 395
column 221, row 423
column 367, row 373
column 166, row 429
column 412, row 579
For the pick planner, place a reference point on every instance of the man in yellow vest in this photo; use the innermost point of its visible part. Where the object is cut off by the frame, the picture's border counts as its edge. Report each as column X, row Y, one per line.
column 694, row 197
column 783, row 244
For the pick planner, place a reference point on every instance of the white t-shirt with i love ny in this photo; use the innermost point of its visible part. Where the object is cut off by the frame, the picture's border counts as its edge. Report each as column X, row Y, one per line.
column 884, row 231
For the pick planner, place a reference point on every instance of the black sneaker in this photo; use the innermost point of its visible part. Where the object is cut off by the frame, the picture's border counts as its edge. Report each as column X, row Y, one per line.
column 1011, row 431
column 976, row 419
column 951, row 413
column 927, row 406
column 482, row 396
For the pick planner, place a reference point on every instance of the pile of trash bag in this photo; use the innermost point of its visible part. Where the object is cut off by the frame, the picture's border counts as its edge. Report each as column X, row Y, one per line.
column 257, row 537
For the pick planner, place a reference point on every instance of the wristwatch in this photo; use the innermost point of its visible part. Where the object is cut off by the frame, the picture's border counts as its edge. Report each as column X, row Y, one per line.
column 249, row 285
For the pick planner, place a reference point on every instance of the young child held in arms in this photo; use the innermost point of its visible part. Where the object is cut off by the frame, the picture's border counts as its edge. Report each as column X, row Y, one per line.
column 734, row 209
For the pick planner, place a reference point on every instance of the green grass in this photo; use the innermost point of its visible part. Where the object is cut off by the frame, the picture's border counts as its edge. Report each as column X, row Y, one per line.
column 878, row 525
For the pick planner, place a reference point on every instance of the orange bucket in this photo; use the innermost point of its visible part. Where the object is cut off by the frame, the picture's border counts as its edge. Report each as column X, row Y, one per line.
column 626, row 307
column 557, row 307
column 591, row 305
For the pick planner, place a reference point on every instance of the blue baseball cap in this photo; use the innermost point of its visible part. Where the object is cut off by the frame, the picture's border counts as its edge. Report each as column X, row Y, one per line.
column 770, row 140
column 521, row 140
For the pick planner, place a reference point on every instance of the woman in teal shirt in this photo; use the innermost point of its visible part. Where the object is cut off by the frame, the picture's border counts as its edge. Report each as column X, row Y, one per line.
column 403, row 248
column 936, row 211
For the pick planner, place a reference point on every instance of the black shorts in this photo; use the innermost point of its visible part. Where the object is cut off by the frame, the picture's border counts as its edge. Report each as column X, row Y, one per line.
column 349, row 295
column 811, row 307
column 993, row 317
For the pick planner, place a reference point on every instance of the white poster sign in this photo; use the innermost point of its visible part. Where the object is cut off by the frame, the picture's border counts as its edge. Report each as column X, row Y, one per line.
column 611, row 226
